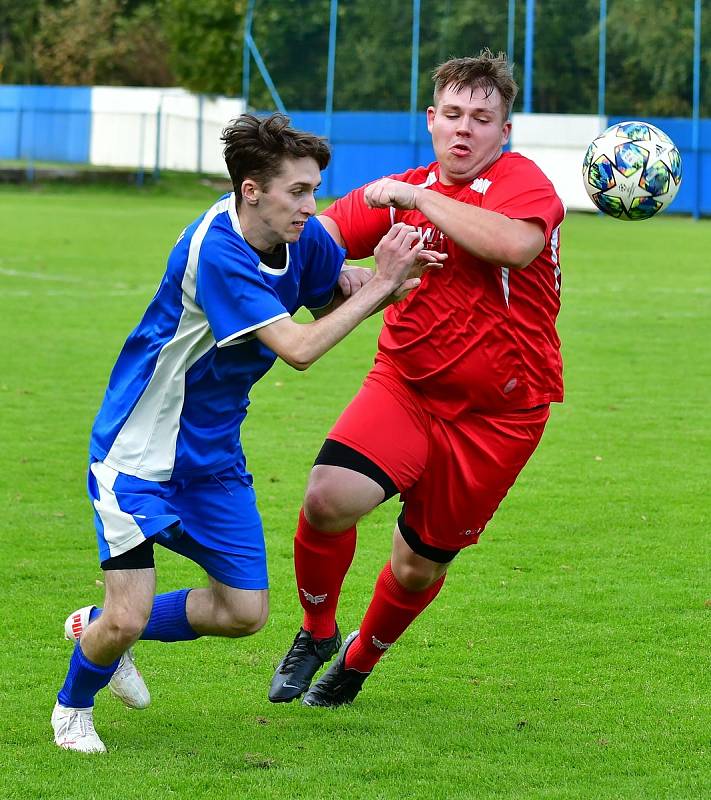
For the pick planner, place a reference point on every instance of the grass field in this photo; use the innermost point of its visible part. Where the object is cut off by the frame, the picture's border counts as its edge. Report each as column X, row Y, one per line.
column 568, row 654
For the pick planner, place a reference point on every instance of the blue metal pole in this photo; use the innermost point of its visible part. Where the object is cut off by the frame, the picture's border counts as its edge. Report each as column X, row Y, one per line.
column 18, row 145
column 696, row 109
column 601, row 58
column 264, row 72
column 510, row 38
column 331, row 69
column 245, row 51
column 30, row 169
column 201, row 103
column 414, row 75
column 530, row 37
column 330, row 80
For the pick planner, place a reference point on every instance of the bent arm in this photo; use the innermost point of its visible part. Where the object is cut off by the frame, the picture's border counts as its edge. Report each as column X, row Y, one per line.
column 486, row 234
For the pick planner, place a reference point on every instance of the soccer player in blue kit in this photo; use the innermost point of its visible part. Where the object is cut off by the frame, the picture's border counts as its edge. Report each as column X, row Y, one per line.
column 166, row 462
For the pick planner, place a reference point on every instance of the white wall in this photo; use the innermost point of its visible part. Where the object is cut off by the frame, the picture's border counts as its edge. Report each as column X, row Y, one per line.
column 557, row 143
column 125, row 122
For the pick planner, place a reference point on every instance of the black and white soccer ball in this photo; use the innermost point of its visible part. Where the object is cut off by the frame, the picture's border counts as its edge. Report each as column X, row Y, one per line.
column 632, row 170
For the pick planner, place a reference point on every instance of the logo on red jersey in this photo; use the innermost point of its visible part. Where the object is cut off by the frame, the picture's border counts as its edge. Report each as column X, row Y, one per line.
column 433, row 239
column 480, row 185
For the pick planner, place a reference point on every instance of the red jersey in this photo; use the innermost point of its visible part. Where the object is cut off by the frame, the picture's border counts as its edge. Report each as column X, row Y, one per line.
column 473, row 335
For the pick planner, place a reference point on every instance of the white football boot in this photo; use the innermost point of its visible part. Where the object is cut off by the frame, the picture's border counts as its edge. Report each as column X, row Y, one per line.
column 74, row 730
column 126, row 683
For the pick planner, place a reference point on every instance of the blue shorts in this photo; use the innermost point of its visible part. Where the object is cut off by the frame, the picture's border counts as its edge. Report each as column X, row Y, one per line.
column 210, row 519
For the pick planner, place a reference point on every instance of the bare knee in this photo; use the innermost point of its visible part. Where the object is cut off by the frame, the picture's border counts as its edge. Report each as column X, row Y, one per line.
column 243, row 615
column 414, row 577
column 322, row 510
column 411, row 570
column 336, row 498
column 122, row 627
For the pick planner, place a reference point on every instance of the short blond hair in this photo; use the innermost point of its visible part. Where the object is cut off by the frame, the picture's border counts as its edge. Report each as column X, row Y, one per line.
column 485, row 71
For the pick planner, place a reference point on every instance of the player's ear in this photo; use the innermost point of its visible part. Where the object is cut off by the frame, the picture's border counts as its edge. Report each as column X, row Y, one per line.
column 506, row 132
column 430, row 117
column 250, row 191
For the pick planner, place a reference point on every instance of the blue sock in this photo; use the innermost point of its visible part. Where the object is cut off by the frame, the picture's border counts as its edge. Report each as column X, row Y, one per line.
column 169, row 620
column 84, row 680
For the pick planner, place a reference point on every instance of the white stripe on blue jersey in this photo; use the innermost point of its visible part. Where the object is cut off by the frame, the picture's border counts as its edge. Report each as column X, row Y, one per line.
column 177, row 397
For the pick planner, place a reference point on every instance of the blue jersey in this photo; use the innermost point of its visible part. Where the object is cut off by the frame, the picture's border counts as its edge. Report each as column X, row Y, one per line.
column 179, row 390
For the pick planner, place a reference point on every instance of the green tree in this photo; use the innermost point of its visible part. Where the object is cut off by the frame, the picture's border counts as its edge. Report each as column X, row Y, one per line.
column 565, row 60
column 292, row 37
column 200, row 46
column 649, row 58
column 18, row 22
column 205, row 43
column 88, row 42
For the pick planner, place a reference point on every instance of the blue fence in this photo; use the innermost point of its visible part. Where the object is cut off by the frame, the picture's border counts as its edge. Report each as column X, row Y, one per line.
column 43, row 123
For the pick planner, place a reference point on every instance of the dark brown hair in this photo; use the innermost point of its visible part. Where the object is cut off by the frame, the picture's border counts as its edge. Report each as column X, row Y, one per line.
column 487, row 71
column 256, row 148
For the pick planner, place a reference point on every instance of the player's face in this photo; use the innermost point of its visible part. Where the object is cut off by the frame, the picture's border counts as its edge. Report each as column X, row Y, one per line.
column 286, row 203
column 468, row 131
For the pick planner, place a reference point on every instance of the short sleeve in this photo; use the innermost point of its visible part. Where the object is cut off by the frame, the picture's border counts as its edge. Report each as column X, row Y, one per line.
column 323, row 263
column 361, row 227
column 524, row 192
column 232, row 292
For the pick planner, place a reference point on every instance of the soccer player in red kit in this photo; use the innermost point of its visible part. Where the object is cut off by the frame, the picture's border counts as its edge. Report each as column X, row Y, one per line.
column 459, row 394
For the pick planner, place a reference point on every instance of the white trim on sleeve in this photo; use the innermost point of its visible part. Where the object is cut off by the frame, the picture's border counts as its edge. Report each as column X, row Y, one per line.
column 240, row 337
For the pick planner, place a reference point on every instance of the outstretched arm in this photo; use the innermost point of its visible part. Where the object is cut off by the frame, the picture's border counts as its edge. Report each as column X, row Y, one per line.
column 486, row 234
column 301, row 344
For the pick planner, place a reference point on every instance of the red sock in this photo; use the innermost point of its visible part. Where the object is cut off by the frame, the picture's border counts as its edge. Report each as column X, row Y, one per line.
column 321, row 561
column 390, row 612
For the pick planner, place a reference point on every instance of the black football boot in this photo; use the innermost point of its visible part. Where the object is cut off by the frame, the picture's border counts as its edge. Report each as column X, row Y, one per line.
column 304, row 659
column 338, row 685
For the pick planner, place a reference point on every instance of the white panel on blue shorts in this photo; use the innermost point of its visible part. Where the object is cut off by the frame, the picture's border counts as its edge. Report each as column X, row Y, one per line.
column 120, row 531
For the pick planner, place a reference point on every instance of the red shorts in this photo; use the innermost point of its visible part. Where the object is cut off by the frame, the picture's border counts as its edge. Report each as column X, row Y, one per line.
column 452, row 475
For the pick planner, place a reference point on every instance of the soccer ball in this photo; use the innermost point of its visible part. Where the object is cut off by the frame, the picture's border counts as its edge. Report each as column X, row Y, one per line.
column 632, row 170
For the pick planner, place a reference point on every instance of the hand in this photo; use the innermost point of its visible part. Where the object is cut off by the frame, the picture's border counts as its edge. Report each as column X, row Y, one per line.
column 430, row 258
column 352, row 279
column 425, row 261
column 397, row 253
column 387, row 192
